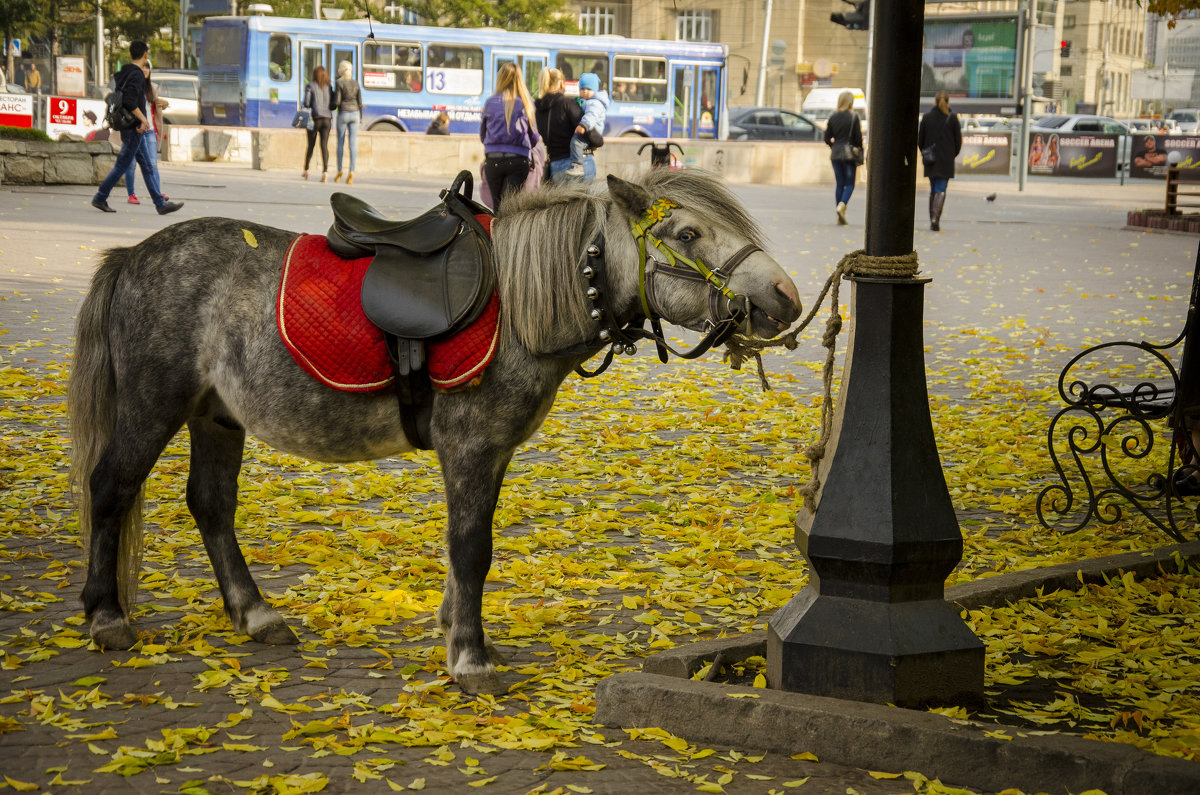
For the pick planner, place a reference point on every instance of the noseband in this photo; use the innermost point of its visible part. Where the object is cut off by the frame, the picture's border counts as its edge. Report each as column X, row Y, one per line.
column 728, row 310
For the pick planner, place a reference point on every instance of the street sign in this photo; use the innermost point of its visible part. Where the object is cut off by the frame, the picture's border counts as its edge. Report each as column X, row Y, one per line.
column 16, row 48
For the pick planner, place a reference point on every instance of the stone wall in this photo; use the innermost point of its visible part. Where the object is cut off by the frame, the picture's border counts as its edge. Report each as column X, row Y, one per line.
column 66, row 163
column 394, row 153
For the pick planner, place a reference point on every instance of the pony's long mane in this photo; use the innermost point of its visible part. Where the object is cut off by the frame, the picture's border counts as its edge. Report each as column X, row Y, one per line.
column 541, row 238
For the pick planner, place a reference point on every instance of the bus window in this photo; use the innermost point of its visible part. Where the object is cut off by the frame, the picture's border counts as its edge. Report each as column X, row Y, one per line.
column 392, row 66
column 454, row 70
column 279, row 50
column 222, row 46
column 644, row 78
column 573, row 64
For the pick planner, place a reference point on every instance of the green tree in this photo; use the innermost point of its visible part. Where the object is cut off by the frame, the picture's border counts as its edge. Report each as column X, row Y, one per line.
column 15, row 17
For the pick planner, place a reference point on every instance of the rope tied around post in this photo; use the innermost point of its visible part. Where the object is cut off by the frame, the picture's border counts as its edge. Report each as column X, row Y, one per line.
column 738, row 349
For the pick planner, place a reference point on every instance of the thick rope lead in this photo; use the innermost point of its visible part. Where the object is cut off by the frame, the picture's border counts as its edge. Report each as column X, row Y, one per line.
column 739, row 348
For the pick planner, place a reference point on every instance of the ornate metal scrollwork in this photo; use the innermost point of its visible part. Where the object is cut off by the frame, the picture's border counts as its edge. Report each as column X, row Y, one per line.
column 1116, row 427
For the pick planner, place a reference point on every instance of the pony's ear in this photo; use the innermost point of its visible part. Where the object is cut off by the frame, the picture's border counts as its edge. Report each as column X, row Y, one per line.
column 632, row 199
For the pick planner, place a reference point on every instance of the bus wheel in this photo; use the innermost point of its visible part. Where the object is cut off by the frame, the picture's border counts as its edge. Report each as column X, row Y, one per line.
column 632, row 134
column 384, row 126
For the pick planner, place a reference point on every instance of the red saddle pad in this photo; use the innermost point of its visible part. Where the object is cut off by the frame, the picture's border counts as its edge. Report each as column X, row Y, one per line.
column 321, row 322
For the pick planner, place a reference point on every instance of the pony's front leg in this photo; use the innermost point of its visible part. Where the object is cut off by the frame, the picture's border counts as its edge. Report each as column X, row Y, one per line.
column 473, row 480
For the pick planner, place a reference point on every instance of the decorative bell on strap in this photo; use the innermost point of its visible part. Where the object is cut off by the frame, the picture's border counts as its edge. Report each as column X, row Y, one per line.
column 593, row 293
column 630, row 349
column 593, row 250
column 597, row 313
column 604, row 335
column 588, row 271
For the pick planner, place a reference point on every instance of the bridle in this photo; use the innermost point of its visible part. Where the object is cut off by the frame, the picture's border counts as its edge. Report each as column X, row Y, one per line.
column 728, row 309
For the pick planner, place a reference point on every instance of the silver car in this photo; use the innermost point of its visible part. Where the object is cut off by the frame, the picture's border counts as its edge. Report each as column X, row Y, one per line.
column 1188, row 120
column 181, row 89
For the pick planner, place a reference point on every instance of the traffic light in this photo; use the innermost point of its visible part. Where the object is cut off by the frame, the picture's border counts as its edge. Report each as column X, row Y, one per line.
column 1065, row 49
column 858, row 19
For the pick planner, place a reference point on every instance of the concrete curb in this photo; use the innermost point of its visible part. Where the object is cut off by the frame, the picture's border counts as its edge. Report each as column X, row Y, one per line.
column 877, row 737
column 880, row 737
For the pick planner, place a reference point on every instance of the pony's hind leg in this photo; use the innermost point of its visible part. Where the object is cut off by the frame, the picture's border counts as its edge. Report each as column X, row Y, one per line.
column 217, row 447
column 115, row 488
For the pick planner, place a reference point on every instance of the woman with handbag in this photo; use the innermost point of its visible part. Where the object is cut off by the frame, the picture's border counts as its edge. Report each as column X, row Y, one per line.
column 318, row 98
column 940, row 140
column 843, row 134
column 508, row 134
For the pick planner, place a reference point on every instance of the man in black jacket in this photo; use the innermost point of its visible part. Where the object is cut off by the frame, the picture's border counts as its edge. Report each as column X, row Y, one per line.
column 131, row 82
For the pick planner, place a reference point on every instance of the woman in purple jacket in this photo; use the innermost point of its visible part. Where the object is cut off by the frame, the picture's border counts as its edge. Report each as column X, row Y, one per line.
column 508, row 134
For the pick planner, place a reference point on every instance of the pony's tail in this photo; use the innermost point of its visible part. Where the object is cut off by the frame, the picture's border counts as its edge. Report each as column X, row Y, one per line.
column 92, row 407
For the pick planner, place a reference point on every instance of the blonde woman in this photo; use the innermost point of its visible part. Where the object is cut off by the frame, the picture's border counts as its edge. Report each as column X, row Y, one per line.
column 843, row 135
column 507, row 133
column 347, row 98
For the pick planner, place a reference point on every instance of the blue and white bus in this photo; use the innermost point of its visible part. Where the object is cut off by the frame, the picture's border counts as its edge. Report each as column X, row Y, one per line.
column 253, row 71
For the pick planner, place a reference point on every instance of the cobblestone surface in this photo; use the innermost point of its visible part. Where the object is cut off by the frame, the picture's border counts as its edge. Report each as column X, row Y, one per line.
column 1068, row 235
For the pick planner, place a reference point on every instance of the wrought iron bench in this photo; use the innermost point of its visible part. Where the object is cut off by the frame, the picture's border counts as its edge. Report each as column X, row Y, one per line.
column 1112, row 423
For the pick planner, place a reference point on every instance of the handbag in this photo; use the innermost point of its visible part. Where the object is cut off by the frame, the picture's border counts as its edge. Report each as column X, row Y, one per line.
column 303, row 118
column 929, row 155
column 847, row 152
column 116, row 115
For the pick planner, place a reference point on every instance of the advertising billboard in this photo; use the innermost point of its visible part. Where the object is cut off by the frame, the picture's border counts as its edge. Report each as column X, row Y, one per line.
column 1153, row 154
column 984, row 154
column 970, row 56
column 81, row 117
column 1073, row 155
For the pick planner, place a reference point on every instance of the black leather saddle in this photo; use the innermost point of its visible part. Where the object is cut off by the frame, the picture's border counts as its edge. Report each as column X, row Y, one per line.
column 430, row 276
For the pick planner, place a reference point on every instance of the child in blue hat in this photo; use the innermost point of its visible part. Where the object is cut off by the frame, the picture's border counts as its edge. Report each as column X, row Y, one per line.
column 589, row 134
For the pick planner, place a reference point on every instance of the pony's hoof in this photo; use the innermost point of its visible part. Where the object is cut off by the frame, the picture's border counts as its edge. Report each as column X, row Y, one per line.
column 114, row 635
column 487, row 683
column 277, row 635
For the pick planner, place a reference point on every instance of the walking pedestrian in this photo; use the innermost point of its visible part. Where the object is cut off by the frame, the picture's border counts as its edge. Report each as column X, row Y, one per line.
column 843, row 135
column 348, row 101
column 154, row 108
column 940, row 140
column 318, row 98
column 508, row 134
column 131, row 82
column 557, row 117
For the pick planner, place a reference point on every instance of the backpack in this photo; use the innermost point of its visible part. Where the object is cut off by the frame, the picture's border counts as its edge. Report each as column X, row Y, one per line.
column 116, row 116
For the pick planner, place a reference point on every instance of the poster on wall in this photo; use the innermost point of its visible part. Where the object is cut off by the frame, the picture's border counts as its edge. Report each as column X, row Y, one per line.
column 16, row 110
column 970, row 56
column 71, row 116
column 984, row 154
column 72, row 79
column 1154, row 154
column 1068, row 155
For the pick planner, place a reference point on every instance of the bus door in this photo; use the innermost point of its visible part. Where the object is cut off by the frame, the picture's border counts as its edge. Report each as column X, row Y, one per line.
column 327, row 54
column 531, row 65
column 696, row 97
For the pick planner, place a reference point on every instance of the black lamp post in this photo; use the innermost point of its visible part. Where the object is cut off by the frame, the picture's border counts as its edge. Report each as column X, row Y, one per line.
column 872, row 623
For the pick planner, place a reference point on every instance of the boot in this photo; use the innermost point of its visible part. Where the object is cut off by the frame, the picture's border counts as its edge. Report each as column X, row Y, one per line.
column 936, row 202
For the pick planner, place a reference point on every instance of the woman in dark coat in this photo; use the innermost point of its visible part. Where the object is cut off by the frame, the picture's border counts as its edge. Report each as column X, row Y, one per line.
column 843, row 131
column 557, row 116
column 941, row 136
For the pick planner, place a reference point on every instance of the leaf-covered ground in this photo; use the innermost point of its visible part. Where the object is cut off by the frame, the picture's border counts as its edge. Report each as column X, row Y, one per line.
column 654, row 508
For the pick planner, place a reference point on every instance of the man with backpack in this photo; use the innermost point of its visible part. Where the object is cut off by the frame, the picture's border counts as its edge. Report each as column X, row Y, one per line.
column 131, row 83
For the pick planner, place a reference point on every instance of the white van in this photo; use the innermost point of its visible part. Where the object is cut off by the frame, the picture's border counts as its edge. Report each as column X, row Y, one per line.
column 820, row 104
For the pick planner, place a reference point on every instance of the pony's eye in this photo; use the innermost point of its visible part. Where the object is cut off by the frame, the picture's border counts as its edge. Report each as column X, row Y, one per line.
column 688, row 235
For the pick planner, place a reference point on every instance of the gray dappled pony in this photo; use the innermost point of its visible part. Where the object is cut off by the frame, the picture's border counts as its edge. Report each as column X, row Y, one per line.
column 180, row 329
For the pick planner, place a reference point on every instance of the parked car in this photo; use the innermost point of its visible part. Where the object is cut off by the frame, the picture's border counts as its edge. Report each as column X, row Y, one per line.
column 771, row 124
column 982, row 124
column 1188, row 120
column 181, row 89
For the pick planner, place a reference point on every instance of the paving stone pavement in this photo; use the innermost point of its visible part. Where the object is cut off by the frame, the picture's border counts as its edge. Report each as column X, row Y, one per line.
column 1054, row 259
